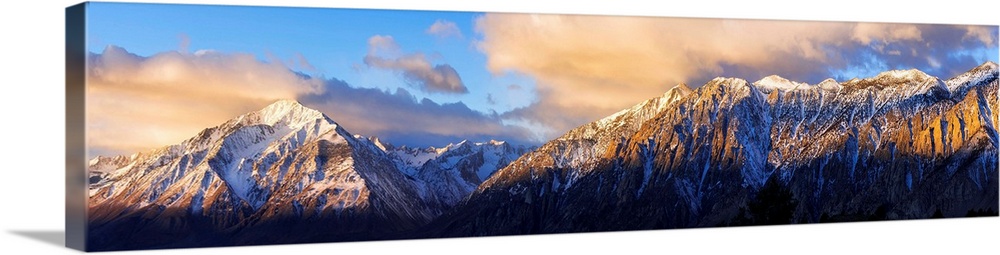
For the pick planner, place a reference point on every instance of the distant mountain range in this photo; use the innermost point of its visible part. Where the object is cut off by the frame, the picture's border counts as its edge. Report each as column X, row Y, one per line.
column 900, row 145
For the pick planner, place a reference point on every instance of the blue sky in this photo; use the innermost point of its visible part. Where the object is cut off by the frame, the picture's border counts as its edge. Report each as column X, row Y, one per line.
column 333, row 41
column 425, row 78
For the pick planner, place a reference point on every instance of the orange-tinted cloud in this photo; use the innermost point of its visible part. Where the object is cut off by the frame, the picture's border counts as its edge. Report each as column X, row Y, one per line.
column 984, row 34
column 606, row 63
column 138, row 103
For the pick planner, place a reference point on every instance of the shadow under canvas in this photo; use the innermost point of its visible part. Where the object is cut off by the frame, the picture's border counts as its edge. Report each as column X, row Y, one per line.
column 53, row 237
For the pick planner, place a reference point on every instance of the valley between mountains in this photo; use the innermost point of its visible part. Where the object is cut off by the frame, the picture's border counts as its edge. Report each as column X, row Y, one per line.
column 899, row 145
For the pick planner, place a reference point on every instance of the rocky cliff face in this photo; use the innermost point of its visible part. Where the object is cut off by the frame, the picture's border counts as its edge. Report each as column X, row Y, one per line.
column 899, row 145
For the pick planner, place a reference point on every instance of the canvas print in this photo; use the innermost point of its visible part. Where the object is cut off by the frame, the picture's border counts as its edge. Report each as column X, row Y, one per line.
column 234, row 125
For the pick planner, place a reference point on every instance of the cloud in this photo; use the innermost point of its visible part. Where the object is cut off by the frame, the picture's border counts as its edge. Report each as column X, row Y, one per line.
column 400, row 118
column 549, row 120
column 587, row 67
column 414, row 67
column 866, row 33
column 489, row 99
column 933, row 62
column 378, row 43
column 303, row 63
column 984, row 34
column 514, row 87
column 444, row 29
column 139, row 103
column 943, row 51
column 185, row 42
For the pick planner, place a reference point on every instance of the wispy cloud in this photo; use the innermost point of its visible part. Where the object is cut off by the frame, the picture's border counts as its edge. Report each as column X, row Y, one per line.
column 303, row 63
column 444, row 29
column 185, row 42
column 384, row 53
column 490, row 100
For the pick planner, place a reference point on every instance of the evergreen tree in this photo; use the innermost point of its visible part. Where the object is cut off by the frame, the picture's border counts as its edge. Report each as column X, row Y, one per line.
column 937, row 214
column 773, row 204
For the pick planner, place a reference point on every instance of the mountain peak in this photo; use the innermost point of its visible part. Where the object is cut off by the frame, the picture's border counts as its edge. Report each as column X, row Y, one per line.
column 905, row 74
column 382, row 145
column 988, row 65
column 829, row 84
column 463, row 143
column 681, row 87
column 491, row 142
column 775, row 82
column 282, row 105
column 676, row 93
column 904, row 82
column 974, row 77
column 288, row 112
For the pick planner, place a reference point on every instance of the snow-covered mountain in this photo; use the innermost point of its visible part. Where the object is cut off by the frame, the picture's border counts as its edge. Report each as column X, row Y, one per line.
column 409, row 159
column 284, row 164
column 285, row 168
column 900, row 145
column 452, row 172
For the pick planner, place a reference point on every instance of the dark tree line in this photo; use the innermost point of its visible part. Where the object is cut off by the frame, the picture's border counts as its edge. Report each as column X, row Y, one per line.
column 773, row 204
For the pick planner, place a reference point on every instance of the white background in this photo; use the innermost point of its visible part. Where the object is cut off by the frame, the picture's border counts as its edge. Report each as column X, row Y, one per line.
column 32, row 119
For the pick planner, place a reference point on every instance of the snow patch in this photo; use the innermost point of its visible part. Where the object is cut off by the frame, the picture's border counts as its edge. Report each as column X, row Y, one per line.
column 777, row 83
